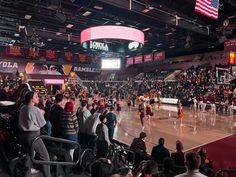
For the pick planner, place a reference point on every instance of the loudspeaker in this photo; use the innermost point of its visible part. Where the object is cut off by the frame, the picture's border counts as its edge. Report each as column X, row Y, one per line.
column 60, row 17
column 53, row 4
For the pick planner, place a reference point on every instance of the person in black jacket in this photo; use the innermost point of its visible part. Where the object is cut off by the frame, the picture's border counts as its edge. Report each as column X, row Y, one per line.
column 159, row 152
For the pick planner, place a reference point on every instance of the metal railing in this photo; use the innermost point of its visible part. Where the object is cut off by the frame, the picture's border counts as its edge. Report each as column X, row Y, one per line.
column 226, row 173
column 44, row 137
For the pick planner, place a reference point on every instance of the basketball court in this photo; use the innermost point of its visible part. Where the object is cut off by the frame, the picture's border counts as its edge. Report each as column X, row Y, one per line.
column 197, row 129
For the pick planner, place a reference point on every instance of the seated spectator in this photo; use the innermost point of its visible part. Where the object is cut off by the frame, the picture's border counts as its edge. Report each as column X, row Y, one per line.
column 124, row 172
column 101, row 168
column 206, row 166
column 168, row 168
column 150, row 169
column 192, row 162
column 159, row 152
column 178, row 156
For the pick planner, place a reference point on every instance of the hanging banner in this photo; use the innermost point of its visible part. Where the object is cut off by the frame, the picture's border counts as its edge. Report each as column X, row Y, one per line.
column 230, row 45
column 44, row 69
column 159, row 56
column 138, row 59
column 148, row 57
column 130, row 61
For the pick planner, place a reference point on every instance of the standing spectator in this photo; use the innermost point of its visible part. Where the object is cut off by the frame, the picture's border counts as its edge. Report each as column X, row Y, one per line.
column 192, row 162
column 111, row 123
column 103, row 142
column 82, row 115
column 55, row 114
column 178, row 156
column 91, row 125
column 94, row 108
column 159, row 152
column 31, row 120
column 69, row 127
column 138, row 146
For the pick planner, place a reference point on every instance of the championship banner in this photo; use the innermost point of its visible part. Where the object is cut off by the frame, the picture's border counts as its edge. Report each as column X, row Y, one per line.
column 159, row 56
column 130, row 61
column 148, row 57
column 138, row 59
column 230, row 45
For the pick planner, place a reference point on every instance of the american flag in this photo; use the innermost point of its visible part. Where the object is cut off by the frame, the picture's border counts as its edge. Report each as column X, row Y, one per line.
column 208, row 8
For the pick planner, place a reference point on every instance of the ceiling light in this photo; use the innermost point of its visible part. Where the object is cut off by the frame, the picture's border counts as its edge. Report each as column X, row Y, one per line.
column 16, row 34
column 87, row 13
column 147, row 9
column 118, row 23
column 98, row 7
column 127, row 56
column 171, row 47
column 75, row 43
column 146, row 41
column 167, row 34
column 28, row 17
column 159, row 44
column 154, row 50
column 49, row 40
column 64, row 47
column 58, row 33
column 146, row 29
column 69, row 25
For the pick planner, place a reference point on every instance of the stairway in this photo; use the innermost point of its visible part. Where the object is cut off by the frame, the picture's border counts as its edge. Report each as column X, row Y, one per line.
column 172, row 76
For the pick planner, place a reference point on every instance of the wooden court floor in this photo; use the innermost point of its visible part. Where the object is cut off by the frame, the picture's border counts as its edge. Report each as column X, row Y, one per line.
column 196, row 130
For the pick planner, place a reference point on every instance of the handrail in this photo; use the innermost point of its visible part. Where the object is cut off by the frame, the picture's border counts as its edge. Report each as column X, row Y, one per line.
column 225, row 171
column 56, row 140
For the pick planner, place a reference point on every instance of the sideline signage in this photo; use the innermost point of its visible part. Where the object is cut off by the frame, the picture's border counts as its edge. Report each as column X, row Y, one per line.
column 169, row 100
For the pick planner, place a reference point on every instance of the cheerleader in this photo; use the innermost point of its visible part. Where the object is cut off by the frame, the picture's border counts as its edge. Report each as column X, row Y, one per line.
column 149, row 112
column 129, row 103
column 141, row 112
column 118, row 106
column 180, row 111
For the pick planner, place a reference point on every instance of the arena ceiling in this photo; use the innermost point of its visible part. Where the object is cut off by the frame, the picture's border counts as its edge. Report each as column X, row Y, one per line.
column 169, row 25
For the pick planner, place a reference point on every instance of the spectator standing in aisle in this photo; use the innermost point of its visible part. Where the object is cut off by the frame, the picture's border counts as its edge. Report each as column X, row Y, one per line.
column 111, row 123
column 69, row 127
column 82, row 116
column 31, row 120
column 103, row 142
column 159, row 152
column 55, row 114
